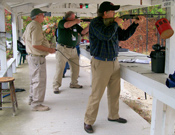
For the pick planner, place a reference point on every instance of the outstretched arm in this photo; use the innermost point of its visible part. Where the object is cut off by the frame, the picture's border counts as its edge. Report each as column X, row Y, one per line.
column 85, row 30
column 126, row 34
column 69, row 24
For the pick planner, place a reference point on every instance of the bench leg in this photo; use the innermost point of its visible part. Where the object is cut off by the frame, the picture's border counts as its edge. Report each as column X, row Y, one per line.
column 0, row 96
column 12, row 90
column 14, row 93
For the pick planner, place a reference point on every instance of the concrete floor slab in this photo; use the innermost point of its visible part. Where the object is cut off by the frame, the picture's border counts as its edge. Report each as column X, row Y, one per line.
column 66, row 116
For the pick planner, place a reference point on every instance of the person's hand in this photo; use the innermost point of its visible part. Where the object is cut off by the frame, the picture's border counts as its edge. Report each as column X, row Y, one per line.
column 118, row 20
column 139, row 20
column 51, row 50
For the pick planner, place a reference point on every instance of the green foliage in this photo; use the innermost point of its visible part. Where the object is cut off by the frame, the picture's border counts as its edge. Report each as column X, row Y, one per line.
column 49, row 22
column 26, row 21
column 147, row 10
column 8, row 22
column 84, row 24
column 9, row 39
column 52, row 22
column 9, row 54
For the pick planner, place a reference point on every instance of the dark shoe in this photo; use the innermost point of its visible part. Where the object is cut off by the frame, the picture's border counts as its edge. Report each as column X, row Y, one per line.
column 56, row 91
column 88, row 128
column 63, row 76
column 120, row 120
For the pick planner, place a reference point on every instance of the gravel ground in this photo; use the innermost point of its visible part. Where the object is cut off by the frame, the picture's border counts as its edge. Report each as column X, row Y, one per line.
column 132, row 96
column 135, row 98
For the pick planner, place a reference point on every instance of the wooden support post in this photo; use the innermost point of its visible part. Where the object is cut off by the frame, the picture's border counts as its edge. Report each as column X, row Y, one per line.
column 170, row 43
column 168, row 127
column 3, row 60
column 157, row 117
column 15, row 37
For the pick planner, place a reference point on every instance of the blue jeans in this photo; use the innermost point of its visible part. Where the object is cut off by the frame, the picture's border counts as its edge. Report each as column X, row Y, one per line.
column 67, row 64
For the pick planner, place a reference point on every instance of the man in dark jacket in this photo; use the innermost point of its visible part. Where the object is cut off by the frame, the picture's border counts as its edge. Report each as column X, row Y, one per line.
column 104, row 35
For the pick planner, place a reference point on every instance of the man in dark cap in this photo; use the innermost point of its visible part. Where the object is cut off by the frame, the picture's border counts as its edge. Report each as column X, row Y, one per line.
column 104, row 35
column 37, row 48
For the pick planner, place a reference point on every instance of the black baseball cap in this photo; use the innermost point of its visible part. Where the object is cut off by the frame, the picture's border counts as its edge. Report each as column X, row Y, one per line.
column 107, row 6
column 36, row 11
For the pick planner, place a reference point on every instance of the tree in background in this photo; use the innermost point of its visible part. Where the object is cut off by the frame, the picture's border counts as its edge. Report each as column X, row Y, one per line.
column 8, row 22
column 50, row 24
column 8, row 29
column 26, row 21
column 146, row 34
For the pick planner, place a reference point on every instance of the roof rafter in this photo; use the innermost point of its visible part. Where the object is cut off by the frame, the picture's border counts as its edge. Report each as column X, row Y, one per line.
column 119, row 2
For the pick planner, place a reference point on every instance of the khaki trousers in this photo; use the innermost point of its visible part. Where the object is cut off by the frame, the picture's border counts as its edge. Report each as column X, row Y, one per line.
column 104, row 74
column 71, row 54
column 37, row 72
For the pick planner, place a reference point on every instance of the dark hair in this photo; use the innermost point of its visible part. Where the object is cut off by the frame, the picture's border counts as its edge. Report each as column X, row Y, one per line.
column 99, row 14
column 68, row 14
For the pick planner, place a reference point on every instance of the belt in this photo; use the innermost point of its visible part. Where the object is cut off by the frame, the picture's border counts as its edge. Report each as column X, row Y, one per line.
column 37, row 55
column 68, row 46
column 106, row 59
